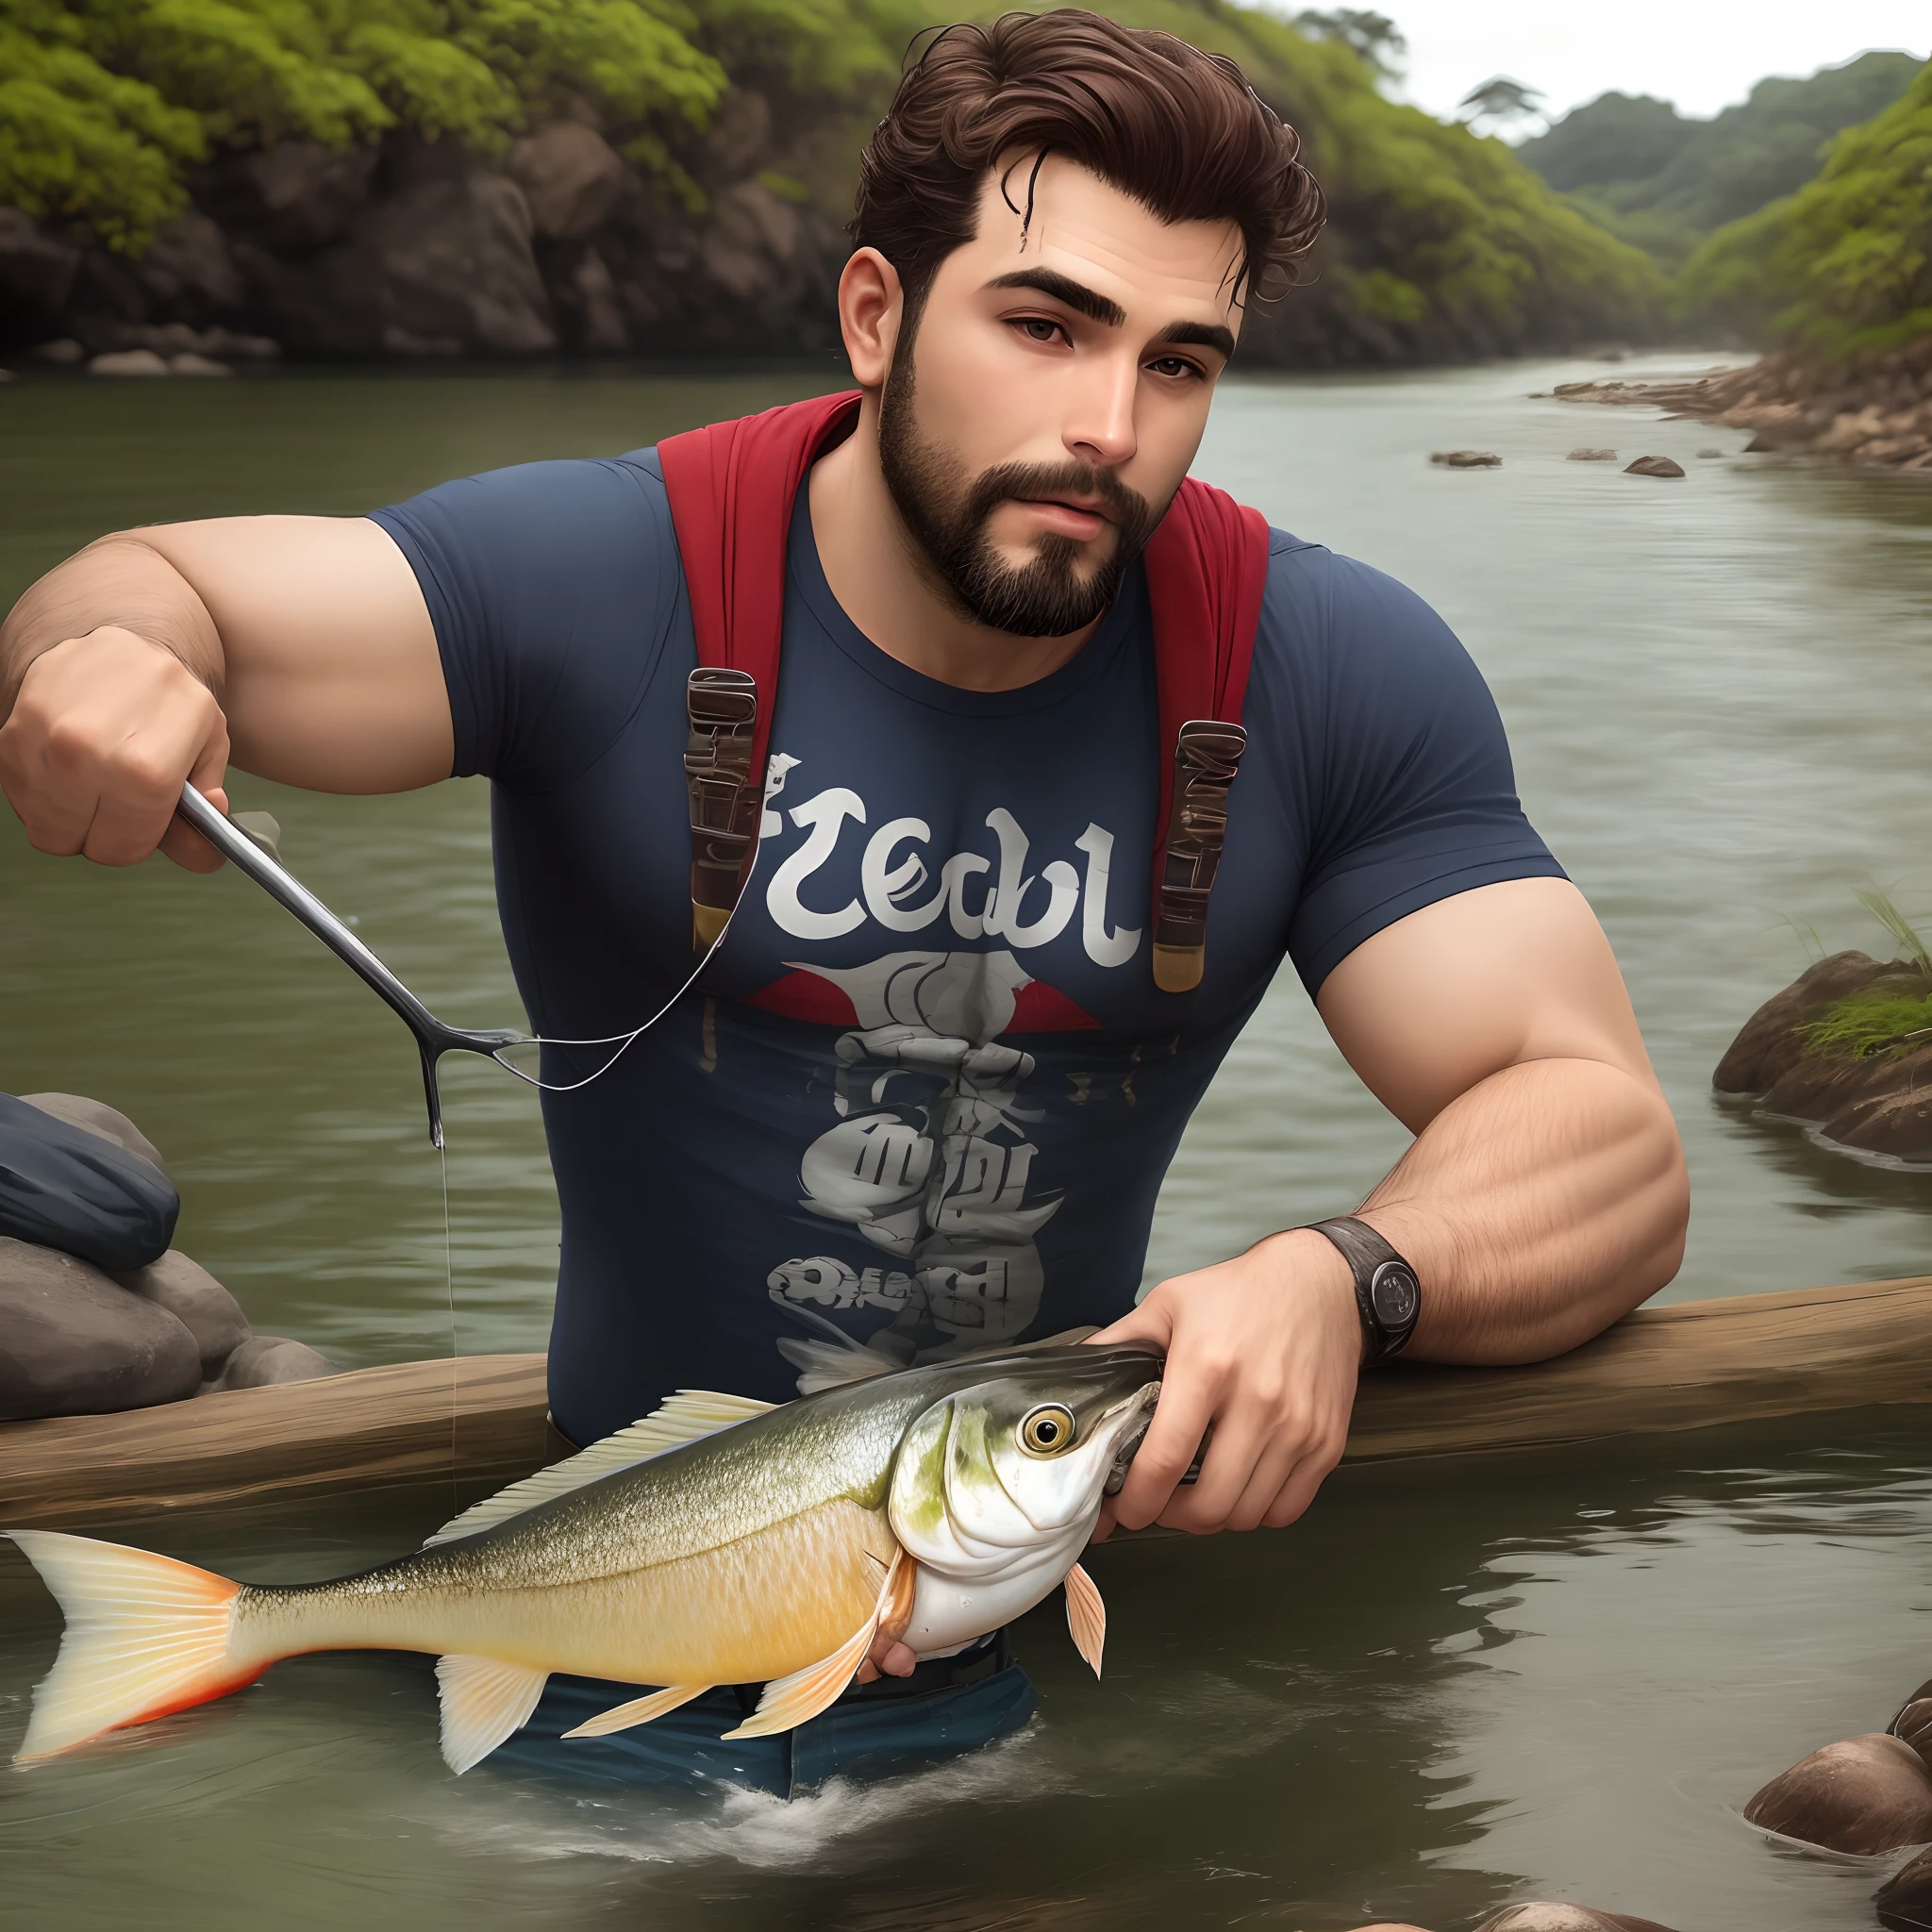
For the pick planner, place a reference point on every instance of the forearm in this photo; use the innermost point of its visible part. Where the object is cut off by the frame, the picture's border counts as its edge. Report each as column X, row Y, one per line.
column 118, row 583
column 1537, row 1209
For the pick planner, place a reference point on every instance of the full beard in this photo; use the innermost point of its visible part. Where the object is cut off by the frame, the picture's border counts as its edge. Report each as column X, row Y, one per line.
column 946, row 514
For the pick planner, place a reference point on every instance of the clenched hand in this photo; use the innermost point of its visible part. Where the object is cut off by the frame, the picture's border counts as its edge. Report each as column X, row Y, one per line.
column 1262, row 1351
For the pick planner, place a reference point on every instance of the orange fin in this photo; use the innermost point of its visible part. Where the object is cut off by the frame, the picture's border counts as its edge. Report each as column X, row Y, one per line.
column 790, row 1701
column 639, row 1711
column 145, row 1637
column 1085, row 1616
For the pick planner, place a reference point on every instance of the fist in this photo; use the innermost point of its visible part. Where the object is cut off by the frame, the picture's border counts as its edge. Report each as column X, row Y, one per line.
column 102, row 733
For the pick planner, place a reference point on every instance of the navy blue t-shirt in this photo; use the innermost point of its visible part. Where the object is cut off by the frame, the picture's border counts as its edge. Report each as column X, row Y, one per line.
column 924, row 1094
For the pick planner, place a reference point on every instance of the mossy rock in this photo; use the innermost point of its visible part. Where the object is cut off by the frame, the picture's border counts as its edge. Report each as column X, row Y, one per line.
column 1841, row 1048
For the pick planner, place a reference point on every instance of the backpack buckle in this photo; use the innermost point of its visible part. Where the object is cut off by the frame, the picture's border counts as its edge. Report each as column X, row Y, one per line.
column 1206, row 755
column 723, row 708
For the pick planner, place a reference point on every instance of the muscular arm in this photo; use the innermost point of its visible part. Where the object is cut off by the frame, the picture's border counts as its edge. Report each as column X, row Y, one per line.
column 1544, row 1197
column 299, row 646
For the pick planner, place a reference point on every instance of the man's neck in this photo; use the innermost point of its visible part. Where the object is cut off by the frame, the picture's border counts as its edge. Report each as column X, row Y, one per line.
column 872, row 564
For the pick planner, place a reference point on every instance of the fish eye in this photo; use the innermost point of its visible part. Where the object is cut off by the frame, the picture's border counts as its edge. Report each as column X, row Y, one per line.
column 1046, row 1430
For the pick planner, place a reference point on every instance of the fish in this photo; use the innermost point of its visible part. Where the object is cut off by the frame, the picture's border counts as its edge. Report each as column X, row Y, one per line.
column 718, row 1540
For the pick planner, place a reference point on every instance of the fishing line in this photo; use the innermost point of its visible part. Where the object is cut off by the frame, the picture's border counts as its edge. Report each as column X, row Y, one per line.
column 624, row 1042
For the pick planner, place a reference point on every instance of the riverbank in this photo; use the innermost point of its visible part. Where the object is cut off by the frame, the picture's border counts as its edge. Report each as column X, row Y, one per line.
column 1875, row 408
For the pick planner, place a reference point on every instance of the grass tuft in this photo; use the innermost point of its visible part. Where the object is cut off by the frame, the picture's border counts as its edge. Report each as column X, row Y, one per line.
column 1880, row 1020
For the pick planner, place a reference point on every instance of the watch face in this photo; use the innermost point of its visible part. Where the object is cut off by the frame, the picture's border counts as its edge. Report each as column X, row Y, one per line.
column 1395, row 1294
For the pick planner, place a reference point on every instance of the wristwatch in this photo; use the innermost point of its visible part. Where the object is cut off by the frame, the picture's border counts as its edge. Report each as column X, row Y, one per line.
column 1387, row 1296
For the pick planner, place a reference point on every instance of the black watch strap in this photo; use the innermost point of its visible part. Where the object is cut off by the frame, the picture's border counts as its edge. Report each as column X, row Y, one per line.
column 1387, row 1296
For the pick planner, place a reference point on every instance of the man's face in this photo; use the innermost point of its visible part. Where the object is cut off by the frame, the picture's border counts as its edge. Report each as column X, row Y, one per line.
column 1034, row 430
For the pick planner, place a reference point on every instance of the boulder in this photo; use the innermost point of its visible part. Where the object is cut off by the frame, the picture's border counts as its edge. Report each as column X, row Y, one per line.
column 1653, row 466
column 444, row 265
column 64, row 352
column 1468, row 459
column 72, row 1342
column 1869, row 1793
column 738, row 134
column 187, row 271
column 189, row 363
column 266, row 1360
column 127, row 362
column 1768, row 1047
column 36, row 276
column 1545, row 1915
column 1913, row 1724
column 570, row 177
column 295, row 197
column 197, row 1301
column 1904, row 1902
column 1705, row 455
column 1592, row 455
column 96, row 1116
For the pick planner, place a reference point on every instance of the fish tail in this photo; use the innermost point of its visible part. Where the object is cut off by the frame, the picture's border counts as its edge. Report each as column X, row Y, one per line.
column 145, row 1635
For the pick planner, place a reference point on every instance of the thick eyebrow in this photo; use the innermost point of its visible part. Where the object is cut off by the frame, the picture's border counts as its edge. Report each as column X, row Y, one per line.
column 1199, row 334
column 1077, row 295
column 1098, row 308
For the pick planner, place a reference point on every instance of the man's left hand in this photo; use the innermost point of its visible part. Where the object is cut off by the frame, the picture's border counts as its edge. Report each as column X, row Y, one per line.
column 1263, row 1350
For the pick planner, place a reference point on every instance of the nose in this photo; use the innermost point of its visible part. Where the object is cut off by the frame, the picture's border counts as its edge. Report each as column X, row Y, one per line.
column 1101, row 429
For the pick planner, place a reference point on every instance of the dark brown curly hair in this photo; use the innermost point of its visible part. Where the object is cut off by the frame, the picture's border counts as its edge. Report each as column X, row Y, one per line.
column 1180, row 131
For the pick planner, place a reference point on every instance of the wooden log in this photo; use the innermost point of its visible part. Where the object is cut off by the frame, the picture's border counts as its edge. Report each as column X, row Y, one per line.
column 1746, row 1358
column 369, row 1429
column 1742, row 1358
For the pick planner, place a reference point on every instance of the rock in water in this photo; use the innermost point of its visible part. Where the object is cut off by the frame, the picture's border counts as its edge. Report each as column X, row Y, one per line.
column 1653, row 466
column 1913, row 1723
column 1703, row 455
column 72, row 1342
column 1592, row 455
column 198, row 1302
column 1545, row 1915
column 1468, row 459
column 127, row 362
column 1869, row 1793
column 1904, row 1902
column 265, row 1360
column 97, row 1117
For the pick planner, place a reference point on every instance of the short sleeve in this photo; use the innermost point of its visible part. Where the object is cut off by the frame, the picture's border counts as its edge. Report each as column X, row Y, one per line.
column 1409, row 793
column 553, row 588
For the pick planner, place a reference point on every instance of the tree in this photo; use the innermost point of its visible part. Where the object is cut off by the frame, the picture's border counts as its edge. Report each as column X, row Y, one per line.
column 1501, row 99
column 1373, row 37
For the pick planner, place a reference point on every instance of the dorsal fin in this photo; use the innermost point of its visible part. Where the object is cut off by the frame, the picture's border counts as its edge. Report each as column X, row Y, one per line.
column 687, row 1416
column 831, row 1365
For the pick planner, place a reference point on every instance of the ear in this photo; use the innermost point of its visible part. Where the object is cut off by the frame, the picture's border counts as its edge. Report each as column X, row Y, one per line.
column 870, row 306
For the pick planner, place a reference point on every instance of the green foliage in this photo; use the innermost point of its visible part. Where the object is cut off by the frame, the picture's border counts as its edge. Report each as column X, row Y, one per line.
column 1880, row 1020
column 76, row 138
column 1844, row 264
column 1640, row 157
column 105, row 102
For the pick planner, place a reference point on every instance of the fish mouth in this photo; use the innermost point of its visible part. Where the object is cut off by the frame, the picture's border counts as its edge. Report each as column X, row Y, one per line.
column 1148, row 1396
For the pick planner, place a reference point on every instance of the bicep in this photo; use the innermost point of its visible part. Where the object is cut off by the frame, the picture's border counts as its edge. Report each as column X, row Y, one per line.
column 332, row 680
column 1436, row 1003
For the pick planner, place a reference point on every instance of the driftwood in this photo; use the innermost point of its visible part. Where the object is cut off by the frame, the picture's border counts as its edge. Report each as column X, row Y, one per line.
column 1743, row 1358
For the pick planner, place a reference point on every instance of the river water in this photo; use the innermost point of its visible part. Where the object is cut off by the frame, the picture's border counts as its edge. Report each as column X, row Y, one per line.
column 1447, row 1687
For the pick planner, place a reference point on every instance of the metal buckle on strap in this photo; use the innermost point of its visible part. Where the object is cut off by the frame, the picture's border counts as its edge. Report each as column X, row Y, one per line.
column 722, row 706
column 1206, row 755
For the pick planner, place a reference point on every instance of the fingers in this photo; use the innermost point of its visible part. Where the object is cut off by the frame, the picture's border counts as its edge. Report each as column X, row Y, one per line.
column 1180, row 1420
column 1151, row 1321
column 102, row 734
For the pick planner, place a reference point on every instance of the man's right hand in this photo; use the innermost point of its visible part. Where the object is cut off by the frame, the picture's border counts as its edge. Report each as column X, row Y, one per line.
column 102, row 731
column 299, row 647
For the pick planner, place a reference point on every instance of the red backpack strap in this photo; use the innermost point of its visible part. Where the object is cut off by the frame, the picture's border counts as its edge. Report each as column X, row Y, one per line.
column 1207, row 569
column 732, row 487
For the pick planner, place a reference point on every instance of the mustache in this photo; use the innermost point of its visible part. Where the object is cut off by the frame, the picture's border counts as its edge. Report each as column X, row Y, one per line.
column 1006, row 482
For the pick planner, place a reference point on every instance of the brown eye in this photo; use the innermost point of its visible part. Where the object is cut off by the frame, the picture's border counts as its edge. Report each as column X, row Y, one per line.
column 1047, row 1430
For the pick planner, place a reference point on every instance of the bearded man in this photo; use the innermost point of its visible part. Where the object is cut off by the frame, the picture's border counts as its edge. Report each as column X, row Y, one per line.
column 921, row 1097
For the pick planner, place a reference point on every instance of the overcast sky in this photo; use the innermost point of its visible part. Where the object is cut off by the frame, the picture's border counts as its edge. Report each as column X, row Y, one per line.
column 1701, row 53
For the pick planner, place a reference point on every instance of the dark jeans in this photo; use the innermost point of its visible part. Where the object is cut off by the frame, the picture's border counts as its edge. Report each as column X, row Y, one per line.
column 950, row 1705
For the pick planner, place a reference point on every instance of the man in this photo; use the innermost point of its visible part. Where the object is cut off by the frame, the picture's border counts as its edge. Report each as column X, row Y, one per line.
column 921, row 1097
